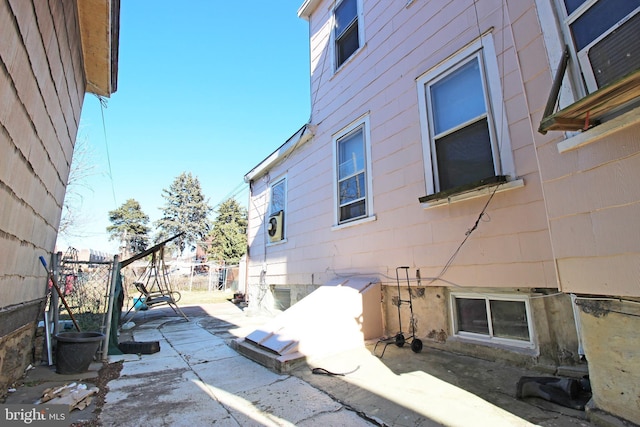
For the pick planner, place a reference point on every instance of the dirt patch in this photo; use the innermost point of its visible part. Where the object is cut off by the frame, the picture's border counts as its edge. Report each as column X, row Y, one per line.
column 108, row 372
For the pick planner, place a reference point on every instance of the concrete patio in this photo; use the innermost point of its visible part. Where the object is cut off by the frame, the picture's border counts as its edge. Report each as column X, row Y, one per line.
column 196, row 379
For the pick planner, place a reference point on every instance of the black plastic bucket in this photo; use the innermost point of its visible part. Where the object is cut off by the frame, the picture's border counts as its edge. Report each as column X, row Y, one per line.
column 75, row 351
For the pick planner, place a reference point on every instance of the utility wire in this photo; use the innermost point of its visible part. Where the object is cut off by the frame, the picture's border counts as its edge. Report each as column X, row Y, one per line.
column 484, row 209
column 103, row 106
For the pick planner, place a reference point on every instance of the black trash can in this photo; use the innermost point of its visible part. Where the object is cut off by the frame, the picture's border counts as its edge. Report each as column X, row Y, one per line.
column 75, row 351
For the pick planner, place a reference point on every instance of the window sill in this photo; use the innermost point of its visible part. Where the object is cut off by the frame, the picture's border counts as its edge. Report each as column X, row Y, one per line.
column 590, row 109
column 354, row 223
column 279, row 242
column 600, row 132
column 347, row 61
column 524, row 347
column 433, row 201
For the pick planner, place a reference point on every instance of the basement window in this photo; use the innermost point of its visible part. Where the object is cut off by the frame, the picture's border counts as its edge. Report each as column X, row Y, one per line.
column 494, row 319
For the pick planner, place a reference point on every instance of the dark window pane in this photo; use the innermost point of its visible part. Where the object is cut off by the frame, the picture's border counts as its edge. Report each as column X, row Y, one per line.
column 345, row 14
column 509, row 320
column 598, row 19
column 617, row 54
column 352, row 211
column 572, row 5
column 347, row 44
column 472, row 315
column 465, row 156
column 352, row 189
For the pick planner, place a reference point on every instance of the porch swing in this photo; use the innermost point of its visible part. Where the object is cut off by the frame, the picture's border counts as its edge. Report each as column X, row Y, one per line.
column 154, row 286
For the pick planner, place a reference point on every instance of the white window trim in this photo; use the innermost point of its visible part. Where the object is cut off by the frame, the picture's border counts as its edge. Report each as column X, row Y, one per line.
column 470, row 336
column 334, row 65
column 281, row 178
column 554, row 40
column 364, row 122
column 498, row 125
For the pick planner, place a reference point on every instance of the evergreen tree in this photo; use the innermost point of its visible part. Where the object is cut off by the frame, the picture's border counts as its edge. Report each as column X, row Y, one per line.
column 129, row 224
column 186, row 210
column 228, row 238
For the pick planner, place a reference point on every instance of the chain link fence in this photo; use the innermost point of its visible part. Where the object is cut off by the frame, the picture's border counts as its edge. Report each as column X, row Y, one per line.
column 85, row 286
column 85, row 289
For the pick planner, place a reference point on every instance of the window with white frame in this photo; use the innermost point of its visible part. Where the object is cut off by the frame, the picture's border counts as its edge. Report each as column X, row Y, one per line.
column 499, row 319
column 278, row 196
column 346, row 31
column 604, row 38
column 277, row 208
column 353, row 181
column 465, row 138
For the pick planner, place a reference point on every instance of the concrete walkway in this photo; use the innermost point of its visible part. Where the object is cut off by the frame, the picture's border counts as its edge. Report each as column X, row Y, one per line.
column 197, row 379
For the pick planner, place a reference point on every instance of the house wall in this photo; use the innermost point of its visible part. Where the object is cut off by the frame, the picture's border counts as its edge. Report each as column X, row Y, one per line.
column 590, row 181
column 593, row 205
column 509, row 252
column 593, row 202
column 41, row 94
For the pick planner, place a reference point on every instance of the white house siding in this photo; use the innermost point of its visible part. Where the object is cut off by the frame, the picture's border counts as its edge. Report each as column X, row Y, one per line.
column 41, row 93
column 510, row 251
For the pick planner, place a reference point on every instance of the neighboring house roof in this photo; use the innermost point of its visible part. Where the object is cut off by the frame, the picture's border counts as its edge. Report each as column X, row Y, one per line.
column 99, row 22
column 304, row 134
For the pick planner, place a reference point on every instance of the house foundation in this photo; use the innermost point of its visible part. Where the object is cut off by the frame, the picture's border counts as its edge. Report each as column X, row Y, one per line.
column 611, row 333
column 17, row 332
column 553, row 343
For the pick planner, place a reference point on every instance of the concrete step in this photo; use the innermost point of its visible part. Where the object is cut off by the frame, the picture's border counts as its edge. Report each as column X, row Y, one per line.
column 278, row 363
column 337, row 316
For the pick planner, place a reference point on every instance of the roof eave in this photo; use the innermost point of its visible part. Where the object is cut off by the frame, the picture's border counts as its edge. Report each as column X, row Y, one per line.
column 99, row 22
column 304, row 134
column 307, row 9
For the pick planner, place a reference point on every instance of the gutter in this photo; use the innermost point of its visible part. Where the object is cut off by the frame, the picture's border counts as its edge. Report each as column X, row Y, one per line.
column 303, row 135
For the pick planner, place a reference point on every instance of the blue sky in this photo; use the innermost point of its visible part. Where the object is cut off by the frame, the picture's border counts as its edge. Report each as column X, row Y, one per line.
column 210, row 88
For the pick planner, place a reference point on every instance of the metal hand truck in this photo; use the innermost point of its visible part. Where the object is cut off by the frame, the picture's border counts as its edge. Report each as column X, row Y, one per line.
column 399, row 339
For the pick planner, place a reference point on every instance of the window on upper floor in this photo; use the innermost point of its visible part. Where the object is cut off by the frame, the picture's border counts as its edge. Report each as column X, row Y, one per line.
column 346, row 31
column 602, row 57
column 277, row 208
column 353, row 181
column 461, row 108
column 604, row 36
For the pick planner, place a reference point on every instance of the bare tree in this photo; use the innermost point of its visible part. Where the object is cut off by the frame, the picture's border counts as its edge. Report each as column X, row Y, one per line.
column 83, row 166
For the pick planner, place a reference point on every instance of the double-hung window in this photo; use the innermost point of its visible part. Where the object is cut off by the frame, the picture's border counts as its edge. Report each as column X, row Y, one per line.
column 352, row 173
column 277, row 208
column 605, row 38
column 499, row 319
column 460, row 114
column 346, row 32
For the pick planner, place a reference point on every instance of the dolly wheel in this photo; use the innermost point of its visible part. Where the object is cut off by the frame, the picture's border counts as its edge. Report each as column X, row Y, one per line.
column 416, row 345
column 400, row 339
